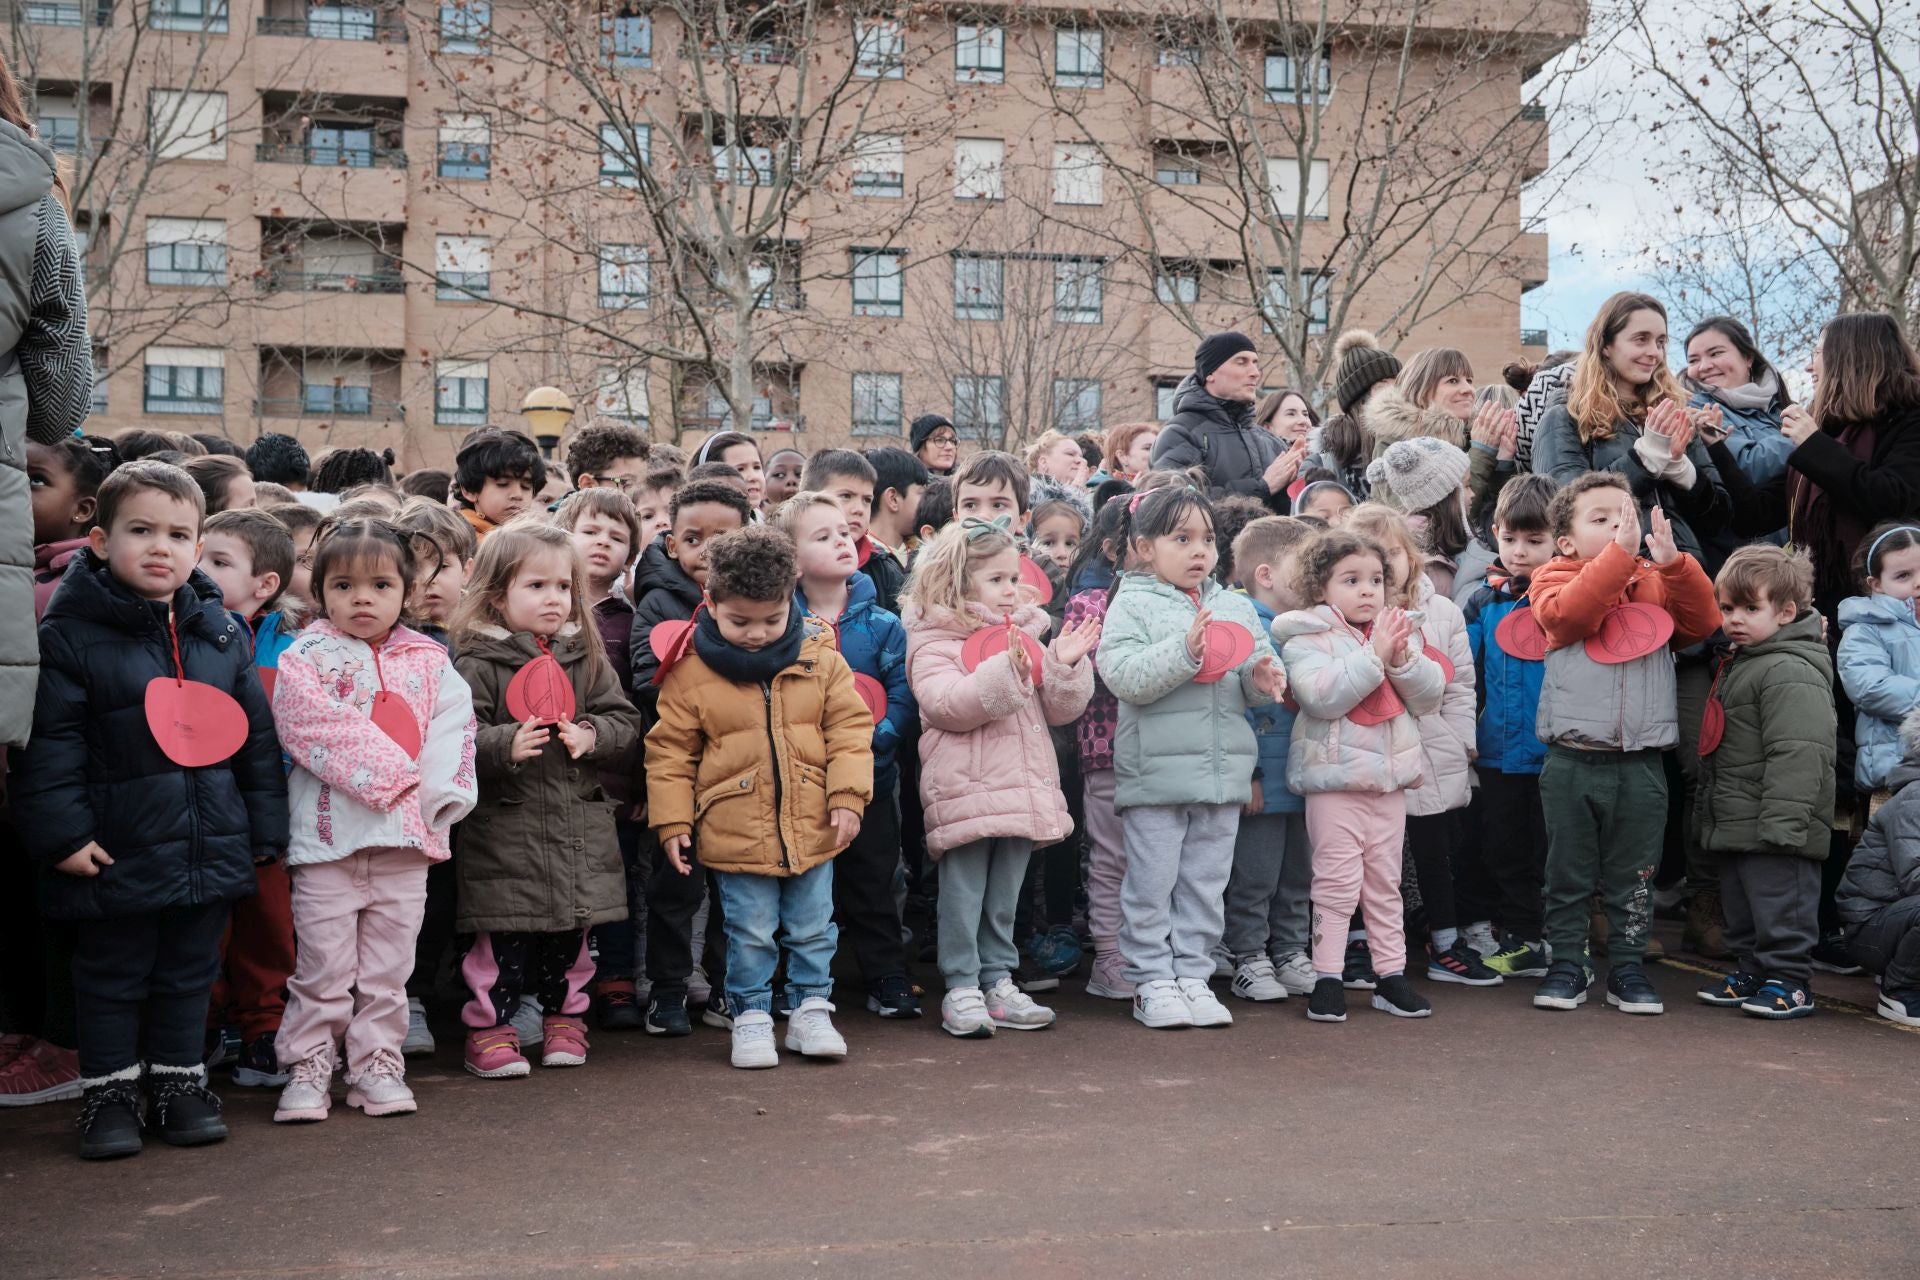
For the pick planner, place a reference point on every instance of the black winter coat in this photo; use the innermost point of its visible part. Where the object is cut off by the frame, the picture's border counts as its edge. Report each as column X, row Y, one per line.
column 1219, row 435
column 662, row 592
column 178, row 837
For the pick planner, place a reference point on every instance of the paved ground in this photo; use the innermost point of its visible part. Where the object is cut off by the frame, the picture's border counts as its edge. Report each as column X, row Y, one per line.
column 1489, row 1141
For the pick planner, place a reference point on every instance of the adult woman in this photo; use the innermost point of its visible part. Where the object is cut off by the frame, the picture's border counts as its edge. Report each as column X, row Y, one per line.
column 934, row 441
column 1434, row 396
column 1737, row 402
column 1624, row 412
column 1129, row 451
column 1288, row 415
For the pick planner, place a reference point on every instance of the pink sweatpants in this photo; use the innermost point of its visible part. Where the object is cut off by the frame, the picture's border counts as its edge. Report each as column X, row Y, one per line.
column 1106, row 859
column 1357, row 839
column 354, row 921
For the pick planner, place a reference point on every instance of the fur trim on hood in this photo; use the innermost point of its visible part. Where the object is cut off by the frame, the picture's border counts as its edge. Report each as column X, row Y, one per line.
column 1046, row 489
column 1392, row 417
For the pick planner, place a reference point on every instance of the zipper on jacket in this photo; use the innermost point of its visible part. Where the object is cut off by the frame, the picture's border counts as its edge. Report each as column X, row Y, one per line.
column 773, row 745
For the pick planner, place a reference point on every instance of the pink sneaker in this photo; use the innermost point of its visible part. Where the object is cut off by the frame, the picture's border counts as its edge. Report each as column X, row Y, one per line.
column 565, row 1044
column 13, row 1045
column 494, row 1054
column 1109, row 977
column 40, row 1072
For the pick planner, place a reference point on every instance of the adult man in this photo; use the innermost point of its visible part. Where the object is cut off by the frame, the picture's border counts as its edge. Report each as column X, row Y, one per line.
column 1213, row 427
column 935, row 442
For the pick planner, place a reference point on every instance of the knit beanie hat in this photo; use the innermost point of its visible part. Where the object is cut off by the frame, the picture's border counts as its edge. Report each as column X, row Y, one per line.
column 1421, row 472
column 1362, row 364
column 923, row 426
column 1216, row 349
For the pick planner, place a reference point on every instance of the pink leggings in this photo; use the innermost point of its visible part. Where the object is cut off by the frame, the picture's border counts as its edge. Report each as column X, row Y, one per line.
column 1357, row 838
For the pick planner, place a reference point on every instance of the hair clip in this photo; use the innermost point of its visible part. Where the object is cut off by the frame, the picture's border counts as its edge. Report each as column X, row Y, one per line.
column 1133, row 503
column 976, row 527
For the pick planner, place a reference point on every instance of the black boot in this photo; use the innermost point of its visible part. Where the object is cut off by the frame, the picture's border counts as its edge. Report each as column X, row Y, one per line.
column 181, row 1108
column 109, row 1120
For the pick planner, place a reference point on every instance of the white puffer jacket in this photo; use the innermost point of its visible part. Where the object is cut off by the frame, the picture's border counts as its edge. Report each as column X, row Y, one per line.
column 1447, row 735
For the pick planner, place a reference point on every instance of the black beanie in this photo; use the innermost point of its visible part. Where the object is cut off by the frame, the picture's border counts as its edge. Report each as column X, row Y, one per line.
column 923, row 426
column 1218, row 348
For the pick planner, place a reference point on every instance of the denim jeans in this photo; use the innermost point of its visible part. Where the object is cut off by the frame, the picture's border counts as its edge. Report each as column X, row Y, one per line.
column 758, row 908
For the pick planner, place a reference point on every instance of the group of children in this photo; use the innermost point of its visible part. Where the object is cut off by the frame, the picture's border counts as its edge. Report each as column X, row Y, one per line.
column 662, row 747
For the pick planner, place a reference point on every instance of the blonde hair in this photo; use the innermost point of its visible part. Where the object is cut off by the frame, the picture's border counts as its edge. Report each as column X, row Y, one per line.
column 502, row 553
column 1593, row 401
column 1383, row 525
column 1421, row 378
column 788, row 513
column 944, row 567
column 1042, row 443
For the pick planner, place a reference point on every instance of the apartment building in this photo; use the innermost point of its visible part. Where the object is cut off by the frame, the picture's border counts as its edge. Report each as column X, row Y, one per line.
column 362, row 224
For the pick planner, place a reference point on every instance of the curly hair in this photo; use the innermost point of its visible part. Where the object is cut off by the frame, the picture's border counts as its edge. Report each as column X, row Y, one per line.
column 600, row 442
column 278, row 459
column 1560, row 510
column 343, row 469
column 755, row 563
column 1319, row 555
column 1380, row 524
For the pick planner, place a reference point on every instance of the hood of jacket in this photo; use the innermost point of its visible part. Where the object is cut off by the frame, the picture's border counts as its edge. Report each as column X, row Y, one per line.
column 26, row 169
column 1302, row 622
column 659, row 571
column 1800, row 637
column 1227, row 415
column 1876, row 610
column 516, row 648
column 1392, row 417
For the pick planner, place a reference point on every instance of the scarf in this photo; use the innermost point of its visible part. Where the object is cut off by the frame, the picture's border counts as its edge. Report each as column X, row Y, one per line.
column 745, row 666
column 1828, row 531
column 1749, row 397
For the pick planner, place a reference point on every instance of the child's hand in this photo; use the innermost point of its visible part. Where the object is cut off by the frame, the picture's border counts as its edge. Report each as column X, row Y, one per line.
column 1270, row 678
column 846, row 825
column 675, row 847
column 1076, row 642
column 1660, row 544
column 527, row 740
column 1390, row 631
column 1259, row 801
column 1197, row 635
column 1021, row 660
column 577, row 736
column 85, row 861
column 1627, row 536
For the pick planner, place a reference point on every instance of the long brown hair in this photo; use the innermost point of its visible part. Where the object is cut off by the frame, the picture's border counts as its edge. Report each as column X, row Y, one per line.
column 502, row 552
column 1867, row 367
column 1593, row 400
column 13, row 109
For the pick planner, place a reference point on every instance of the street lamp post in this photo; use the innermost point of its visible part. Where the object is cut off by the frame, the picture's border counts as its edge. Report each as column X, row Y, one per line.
column 548, row 411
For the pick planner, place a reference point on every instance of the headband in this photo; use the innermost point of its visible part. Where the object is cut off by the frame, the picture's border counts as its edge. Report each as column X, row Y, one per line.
column 977, row 528
column 1875, row 545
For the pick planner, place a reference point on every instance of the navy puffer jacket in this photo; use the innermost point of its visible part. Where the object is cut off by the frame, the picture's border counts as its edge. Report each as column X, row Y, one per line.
column 178, row 837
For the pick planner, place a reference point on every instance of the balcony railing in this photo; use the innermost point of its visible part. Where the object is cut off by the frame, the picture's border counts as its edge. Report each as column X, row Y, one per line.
column 56, row 13
column 293, row 280
column 772, row 297
column 759, row 422
column 1533, row 337
column 340, row 157
column 1533, row 111
column 336, row 24
column 328, row 402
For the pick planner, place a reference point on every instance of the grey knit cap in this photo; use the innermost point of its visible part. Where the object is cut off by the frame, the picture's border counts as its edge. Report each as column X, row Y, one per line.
column 1420, row 472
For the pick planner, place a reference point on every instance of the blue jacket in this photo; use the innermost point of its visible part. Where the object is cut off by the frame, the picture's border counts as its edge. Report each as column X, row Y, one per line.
column 1879, row 663
column 1753, row 437
column 875, row 644
column 1509, row 686
column 1272, row 736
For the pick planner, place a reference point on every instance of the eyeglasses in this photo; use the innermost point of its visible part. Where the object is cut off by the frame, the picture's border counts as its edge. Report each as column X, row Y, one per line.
column 943, row 437
column 623, row 483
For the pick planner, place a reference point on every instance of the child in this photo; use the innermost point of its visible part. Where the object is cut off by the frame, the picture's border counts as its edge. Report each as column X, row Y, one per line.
column 784, row 468
column 651, row 498
column 1513, row 828
column 371, row 815
column 742, row 453
column 64, row 479
column 1879, row 897
column 761, row 746
column 539, row 863
column 608, row 455
column 495, row 475
column 303, row 523
column 849, row 480
column 444, row 545
column 1184, row 753
column 1765, row 799
column 1355, row 751
column 988, row 779
column 1267, row 909
column 1324, row 500
column 1058, row 527
column 669, row 584
column 144, row 855
column 990, row 485
column 224, row 481
column 1603, row 788
column 1879, row 655
column 899, row 481
column 1091, row 578
column 1427, row 478
column 936, row 509
column 873, row 643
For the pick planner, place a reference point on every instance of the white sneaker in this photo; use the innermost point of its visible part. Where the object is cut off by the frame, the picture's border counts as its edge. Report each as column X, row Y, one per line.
column 1012, row 1008
column 699, row 986
column 382, row 1089
column 753, row 1040
column 1479, row 936
column 1256, row 980
column 1222, row 962
column 307, row 1096
column 1158, row 1004
column 528, row 1022
column 1203, row 1007
column 963, row 1013
column 810, row 1031
column 1295, row 973
column 419, row 1041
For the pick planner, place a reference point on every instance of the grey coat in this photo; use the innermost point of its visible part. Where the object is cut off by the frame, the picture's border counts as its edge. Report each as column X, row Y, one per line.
column 1886, row 863
column 1696, row 513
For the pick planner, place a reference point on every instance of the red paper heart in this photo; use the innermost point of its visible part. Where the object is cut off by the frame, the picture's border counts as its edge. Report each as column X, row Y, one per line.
column 1378, row 707
column 873, row 693
column 1519, row 636
column 1032, row 575
column 194, row 723
column 269, row 677
column 669, row 641
column 1713, row 726
column 1224, row 646
column 1446, row 663
column 541, row 691
column 393, row 717
column 988, row 641
column 1630, row 631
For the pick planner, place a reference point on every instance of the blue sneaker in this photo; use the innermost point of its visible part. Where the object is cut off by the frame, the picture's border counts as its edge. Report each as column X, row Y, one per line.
column 1780, row 998
column 1055, row 953
column 1564, row 987
column 1731, row 991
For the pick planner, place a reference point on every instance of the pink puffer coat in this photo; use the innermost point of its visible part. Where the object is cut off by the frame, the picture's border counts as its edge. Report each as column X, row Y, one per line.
column 986, row 759
column 1448, row 737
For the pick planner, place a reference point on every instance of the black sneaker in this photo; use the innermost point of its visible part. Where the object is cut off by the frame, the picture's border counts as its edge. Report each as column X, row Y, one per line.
column 718, row 1014
column 667, row 1016
column 1734, row 989
column 1780, row 998
column 618, row 1006
column 892, row 997
column 1629, row 991
column 182, row 1109
column 1830, row 956
column 109, row 1120
column 258, row 1067
column 1358, row 974
column 1462, row 964
column 1397, row 997
column 1902, row 1007
column 1564, row 987
column 1328, row 1003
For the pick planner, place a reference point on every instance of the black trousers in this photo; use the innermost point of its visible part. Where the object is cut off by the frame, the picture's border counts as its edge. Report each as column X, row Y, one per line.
column 672, row 902
column 141, row 985
column 1514, row 845
column 1430, row 841
column 1888, row 943
column 863, row 902
column 616, row 946
column 434, row 944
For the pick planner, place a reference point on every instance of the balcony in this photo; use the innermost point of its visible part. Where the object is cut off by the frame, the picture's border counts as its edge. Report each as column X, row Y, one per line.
column 328, row 401
column 1533, row 338
column 343, row 156
column 337, row 23
column 64, row 13
column 295, row 280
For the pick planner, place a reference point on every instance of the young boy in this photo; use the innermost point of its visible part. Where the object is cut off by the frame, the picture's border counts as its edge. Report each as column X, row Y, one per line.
column 608, row 455
column 1879, row 897
column 669, row 585
column 302, row 522
column 444, row 546
column 1606, row 720
column 849, row 480
column 989, row 486
column 1268, row 922
column 1514, row 829
column 495, row 475
column 1765, row 800
column 756, row 662
column 874, row 644
column 144, row 855
column 651, row 498
column 899, row 481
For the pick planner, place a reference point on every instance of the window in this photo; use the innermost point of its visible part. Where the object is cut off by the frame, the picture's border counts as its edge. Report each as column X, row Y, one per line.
column 877, row 281
column 1163, row 399
column 1076, row 404
column 1177, row 282
column 57, row 117
column 463, row 26
column 466, row 147
column 743, row 166
column 1078, row 176
column 341, row 145
column 187, row 15
column 1280, row 300
column 1076, row 291
column 98, row 404
column 619, row 164
column 878, row 48
column 188, row 126
column 622, row 395
column 977, row 167
column 979, row 401
column 185, row 379
column 186, row 251
column 1172, row 169
column 760, row 413
column 879, row 165
column 1077, row 58
column 979, row 54
column 462, row 266
column 1283, row 179
column 460, row 393
column 979, row 287
column 336, row 399
column 340, row 22
column 1178, row 54
column 1287, row 75
column 876, row 404
column 623, row 275
column 627, row 39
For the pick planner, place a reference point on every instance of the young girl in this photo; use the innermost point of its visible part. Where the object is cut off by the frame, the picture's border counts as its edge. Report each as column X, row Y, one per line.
column 374, row 805
column 1436, row 809
column 539, row 864
column 1184, row 753
column 63, row 478
column 1091, row 578
column 1879, row 656
column 743, row 455
column 1355, row 749
column 988, row 779
column 1058, row 527
column 224, row 481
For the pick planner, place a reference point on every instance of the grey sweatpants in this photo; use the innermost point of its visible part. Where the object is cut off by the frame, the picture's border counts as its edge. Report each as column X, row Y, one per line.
column 1888, row 943
column 979, row 890
column 1268, row 907
column 1172, row 898
column 1772, row 902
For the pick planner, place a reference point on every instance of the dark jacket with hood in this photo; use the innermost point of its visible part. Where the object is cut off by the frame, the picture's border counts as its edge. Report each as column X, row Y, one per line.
column 662, row 592
column 1885, row 866
column 178, row 837
column 1221, row 436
